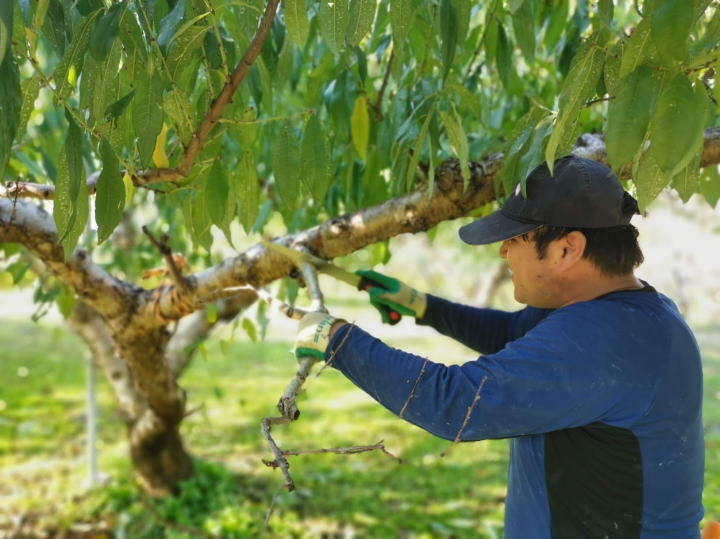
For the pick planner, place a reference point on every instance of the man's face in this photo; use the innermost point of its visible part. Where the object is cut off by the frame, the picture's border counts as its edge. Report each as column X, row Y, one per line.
column 533, row 278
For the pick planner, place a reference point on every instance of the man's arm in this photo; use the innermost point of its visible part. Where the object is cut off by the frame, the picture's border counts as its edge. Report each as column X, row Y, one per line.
column 542, row 382
column 484, row 330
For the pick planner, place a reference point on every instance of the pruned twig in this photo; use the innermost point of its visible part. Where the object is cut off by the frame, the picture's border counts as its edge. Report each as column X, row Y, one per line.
column 467, row 417
column 348, row 450
column 162, row 246
column 412, row 391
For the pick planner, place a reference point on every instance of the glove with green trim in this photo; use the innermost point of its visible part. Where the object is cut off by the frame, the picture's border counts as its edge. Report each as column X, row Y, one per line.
column 392, row 297
column 313, row 335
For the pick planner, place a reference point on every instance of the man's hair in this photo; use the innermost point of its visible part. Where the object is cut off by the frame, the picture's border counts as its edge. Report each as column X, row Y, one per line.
column 614, row 250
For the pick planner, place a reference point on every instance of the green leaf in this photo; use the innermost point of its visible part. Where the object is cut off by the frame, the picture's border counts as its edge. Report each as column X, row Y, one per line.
column 147, row 113
column 402, row 13
column 296, row 21
column 557, row 23
column 248, row 190
column 6, row 26
column 71, row 62
column 458, row 140
column 182, row 49
column 115, row 109
column 687, row 181
column 418, row 147
column 37, row 23
column 503, row 58
column 637, row 49
column 333, row 18
column 524, row 27
column 676, row 130
column 611, row 73
column 70, row 208
column 710, row 184
column 250, row 329
column 602, row 21
column 315, row 157
column 10, row 104
column 170, row 23
column 670, row 29
column 629, row 115
column 106, row 31
column 286, row 165
column 361, row 17
column 448, row 34
column 360, row 126
column 216, row 197
column 509, row 174
column 579, row 85
column 110, row 195
column 177, row 107
column 30, row 89
column 65, row 301
column 491, row 36
column 649, row 180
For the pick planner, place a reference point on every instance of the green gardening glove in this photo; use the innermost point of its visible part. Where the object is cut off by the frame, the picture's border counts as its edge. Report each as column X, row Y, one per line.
column 391, row 297
column 313, row 335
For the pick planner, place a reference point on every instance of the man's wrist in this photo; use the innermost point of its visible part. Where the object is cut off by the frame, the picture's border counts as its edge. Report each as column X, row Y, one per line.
column 336, row 326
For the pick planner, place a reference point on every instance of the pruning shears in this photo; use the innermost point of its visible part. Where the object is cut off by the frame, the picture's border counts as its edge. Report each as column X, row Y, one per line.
column 360, row 282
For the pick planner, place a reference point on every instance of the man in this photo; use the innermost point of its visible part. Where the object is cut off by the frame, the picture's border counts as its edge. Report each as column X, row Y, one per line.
column 597, row 382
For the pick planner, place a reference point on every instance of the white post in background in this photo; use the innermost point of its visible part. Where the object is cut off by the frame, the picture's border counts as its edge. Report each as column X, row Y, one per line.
column 91, row 425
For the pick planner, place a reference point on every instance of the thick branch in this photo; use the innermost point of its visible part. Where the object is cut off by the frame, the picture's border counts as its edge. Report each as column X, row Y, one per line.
column 28, row 224
column 91, row 328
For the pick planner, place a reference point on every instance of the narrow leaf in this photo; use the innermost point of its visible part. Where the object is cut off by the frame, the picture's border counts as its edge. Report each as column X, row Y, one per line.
column 147, row 114
column 361, row 17
column 248, row 190
column 216, row 195
column 315, row 159
column 170, row 23
column 676, row 131
column 629, row 115
column 637, row 48
column 524, row 27
column 10, row 103
column 418, row 147
column 110, row 196
column 159, row 157
column 360, row 126
column 178, row 108
column 106, row 31
column 73, row 57
column 649, row 180
column 286, row 165
column 296, row 21
column 70, row 207
column 6, row 26
column 448, row 34
column 30, row 89
column 687, row 181
column 458, row 140
column 578, row 86
column 333, row 18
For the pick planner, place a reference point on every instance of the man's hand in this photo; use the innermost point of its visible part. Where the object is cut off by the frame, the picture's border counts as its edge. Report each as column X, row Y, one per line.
column 394, row 294
column 313, row 335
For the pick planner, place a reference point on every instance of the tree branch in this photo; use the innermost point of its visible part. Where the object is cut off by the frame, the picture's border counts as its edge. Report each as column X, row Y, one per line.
column 218, row 105
column 414, row 212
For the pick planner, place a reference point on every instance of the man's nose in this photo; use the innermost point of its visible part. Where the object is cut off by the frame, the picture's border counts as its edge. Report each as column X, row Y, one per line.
column 503, row 249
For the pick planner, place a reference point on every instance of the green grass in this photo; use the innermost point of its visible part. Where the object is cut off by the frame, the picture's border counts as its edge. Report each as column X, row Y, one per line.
column 42, row 468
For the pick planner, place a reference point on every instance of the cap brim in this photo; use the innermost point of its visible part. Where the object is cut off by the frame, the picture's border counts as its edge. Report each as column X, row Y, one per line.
column 492, row 228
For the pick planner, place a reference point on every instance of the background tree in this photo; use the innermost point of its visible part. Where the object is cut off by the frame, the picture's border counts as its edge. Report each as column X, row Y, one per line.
column 202, row 119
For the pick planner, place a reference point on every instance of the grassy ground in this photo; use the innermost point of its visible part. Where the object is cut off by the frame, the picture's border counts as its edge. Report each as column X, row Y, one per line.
column 42, row 466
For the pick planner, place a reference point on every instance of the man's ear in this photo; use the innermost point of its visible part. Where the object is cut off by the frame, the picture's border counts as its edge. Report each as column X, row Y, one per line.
column 573, row 247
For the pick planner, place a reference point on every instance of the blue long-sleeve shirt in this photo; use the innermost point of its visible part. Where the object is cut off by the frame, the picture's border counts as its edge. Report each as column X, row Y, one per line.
column 601, row 400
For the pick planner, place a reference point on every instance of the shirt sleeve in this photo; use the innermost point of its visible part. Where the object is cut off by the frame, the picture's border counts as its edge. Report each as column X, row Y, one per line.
column 550, row 379
column 484, row 330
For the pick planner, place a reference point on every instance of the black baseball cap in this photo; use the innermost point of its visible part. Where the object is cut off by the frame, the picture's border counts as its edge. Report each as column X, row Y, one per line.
column 580, row 194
